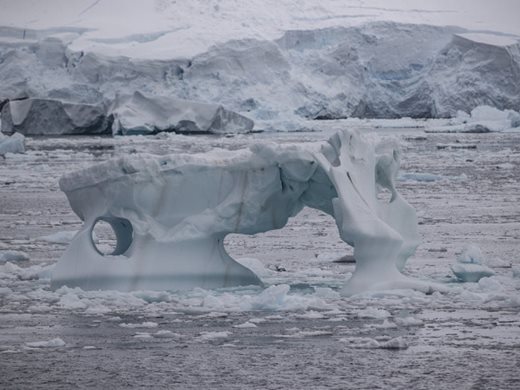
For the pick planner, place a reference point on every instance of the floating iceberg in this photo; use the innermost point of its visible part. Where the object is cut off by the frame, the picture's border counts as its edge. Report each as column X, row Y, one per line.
column 471, row 272
column 170, row 214
column 470, row 267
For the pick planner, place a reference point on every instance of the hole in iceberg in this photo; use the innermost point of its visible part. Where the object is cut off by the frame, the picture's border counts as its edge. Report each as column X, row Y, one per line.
column 112, row 236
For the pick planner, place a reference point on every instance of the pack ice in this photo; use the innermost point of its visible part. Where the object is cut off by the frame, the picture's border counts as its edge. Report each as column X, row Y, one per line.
column 170, row 214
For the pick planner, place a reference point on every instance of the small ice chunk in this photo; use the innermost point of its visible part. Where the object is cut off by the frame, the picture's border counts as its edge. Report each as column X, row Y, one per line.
column 13, row 256
column 360, row 342
column 516, row 271
column 142, row 335
column 245, row 325
column 471, row 254
column 372, row 312
column 207, row 336
column 505, row 166
column 90, row 347
column 385, row 325
column 490, row 284
column 146, row 324
column 395, row 343
column 311, row 315
column 408, row 321
column 54, row 343
column 166, row 334
column 12, row 144
column 471, row 272
column 63, row 237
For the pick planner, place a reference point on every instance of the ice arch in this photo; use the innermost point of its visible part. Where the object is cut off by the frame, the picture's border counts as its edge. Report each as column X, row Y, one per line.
column 179, row 208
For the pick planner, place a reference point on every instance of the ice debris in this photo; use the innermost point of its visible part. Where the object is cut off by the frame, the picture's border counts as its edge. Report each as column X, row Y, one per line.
column 54, row 343
column 469, row 266
column 13, row 256
column 12, row 144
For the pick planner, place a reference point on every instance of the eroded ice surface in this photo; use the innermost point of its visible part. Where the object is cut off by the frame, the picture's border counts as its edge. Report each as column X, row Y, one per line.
column 171, row 214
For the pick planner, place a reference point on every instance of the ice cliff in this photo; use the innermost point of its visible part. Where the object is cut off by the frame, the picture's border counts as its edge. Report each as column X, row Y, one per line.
column 376, row 70
column 170, row 214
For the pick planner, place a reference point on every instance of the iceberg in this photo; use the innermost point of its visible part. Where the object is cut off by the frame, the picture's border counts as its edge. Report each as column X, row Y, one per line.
column 170, row 214
column 469, row 266
column 140, row 114
column 471, row 272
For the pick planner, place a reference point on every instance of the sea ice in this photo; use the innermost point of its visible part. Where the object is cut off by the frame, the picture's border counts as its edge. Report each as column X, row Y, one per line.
column 13, row 256
column 170, row 214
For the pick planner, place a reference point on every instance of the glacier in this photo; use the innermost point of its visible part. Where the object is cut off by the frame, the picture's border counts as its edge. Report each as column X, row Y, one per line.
column 372, row 70
column 170, row 214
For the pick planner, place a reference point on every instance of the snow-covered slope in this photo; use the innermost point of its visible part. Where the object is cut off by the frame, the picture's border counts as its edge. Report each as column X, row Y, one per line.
column 165, row 29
